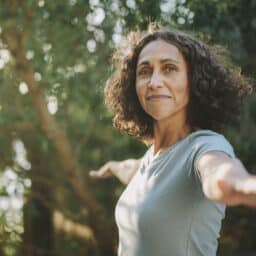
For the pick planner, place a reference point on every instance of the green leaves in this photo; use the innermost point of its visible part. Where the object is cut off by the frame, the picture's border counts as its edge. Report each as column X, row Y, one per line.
column 69, row 45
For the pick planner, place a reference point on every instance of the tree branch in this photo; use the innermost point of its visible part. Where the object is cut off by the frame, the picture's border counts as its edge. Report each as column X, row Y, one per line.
column 55, row 133
column 28, row 19
column 19, row 127
column 71, row 228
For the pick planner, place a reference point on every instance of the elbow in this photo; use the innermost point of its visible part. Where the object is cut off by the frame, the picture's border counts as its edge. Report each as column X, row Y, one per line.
column 212, row 190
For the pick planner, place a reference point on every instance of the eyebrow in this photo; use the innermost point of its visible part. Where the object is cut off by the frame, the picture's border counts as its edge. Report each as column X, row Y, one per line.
column 146, row 62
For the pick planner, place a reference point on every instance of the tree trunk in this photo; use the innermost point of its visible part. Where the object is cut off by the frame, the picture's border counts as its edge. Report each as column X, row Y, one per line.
column 38, row 229
column 38, row 226
column 16, row 43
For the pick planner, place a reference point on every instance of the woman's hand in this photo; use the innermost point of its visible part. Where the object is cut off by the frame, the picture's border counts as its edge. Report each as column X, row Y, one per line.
column 123, row 170
column 225, row 180
column 240, row 192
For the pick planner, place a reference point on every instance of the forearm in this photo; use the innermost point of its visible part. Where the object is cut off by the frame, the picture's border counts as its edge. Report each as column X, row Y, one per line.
column 231, row 176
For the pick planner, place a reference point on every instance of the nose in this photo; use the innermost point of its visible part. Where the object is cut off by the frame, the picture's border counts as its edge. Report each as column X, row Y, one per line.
column 155, row 80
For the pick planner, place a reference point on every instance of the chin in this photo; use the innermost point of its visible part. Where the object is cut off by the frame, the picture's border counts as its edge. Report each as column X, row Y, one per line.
column 160, row 113
column 160, row 117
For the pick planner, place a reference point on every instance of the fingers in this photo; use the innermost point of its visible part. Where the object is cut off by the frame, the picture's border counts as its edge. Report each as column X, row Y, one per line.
column 94, row 174
column 99, row 174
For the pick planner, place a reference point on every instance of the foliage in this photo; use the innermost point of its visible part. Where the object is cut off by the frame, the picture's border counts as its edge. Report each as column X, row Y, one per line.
column 69, row 46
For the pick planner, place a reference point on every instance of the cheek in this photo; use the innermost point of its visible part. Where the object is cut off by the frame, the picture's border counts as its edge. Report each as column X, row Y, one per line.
column 182, row 90
column 184, row 94
column 140, row 91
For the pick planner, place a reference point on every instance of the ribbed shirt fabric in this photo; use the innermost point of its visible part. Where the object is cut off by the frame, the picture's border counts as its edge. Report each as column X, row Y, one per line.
column 163, row 211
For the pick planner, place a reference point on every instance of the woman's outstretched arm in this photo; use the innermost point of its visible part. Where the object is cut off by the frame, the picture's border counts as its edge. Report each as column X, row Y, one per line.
column 123, row 170
column 226, row 180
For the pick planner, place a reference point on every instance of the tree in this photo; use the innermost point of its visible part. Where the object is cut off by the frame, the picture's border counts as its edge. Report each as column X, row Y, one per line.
column 54, row 59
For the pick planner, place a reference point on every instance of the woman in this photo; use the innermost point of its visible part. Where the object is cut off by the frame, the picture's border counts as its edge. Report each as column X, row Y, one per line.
column 175, row 93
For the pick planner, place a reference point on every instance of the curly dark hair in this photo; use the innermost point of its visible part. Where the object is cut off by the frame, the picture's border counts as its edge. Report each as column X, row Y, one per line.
column 217, row 90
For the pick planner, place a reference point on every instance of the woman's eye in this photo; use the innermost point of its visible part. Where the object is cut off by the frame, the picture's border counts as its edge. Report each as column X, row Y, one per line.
column 169, row 69
column 144, row 71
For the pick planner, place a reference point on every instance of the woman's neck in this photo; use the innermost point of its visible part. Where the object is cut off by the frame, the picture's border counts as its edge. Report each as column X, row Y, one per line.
column 167, row 133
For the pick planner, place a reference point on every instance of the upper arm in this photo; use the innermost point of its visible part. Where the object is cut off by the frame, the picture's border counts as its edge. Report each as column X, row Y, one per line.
column 127, row 169
column 209, row 163
column 216, row 166
column 210, row 151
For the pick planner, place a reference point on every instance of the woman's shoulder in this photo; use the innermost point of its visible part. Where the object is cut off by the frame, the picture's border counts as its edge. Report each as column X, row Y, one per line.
column 207, row 140
column 206, row 135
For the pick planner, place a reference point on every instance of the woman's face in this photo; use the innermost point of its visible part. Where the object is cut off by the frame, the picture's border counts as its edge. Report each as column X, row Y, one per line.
column 162, row 80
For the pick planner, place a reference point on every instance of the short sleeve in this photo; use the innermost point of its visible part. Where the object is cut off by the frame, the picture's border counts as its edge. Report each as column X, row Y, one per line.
column 213, row 142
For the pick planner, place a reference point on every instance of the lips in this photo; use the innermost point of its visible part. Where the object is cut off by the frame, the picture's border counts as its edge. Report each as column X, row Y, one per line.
column 158, row 97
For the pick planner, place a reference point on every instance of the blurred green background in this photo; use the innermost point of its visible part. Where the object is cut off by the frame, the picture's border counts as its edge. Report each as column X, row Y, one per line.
column 54, row 59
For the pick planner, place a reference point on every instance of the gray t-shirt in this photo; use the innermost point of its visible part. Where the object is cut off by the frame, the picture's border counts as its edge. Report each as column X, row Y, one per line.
column 163, row 211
